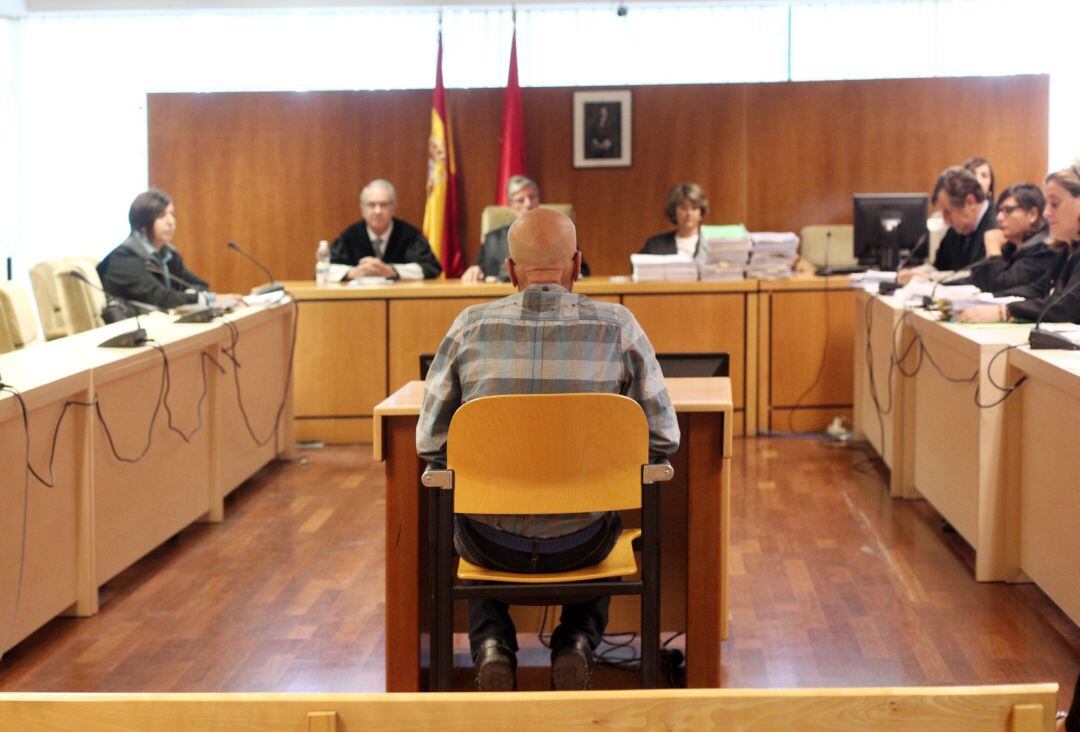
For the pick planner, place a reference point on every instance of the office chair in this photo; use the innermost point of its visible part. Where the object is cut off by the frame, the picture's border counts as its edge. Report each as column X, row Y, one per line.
column 18, row 322
column 80, row 304
column 496, row 217
column 542, row 454
column 47, row 292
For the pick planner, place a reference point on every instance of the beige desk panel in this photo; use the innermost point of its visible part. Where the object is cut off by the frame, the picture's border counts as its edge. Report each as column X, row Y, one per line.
column 947, row 441
column 263, row 352
column 959, row 449
column 340, row 366
column 51, row 563
column 418, row 327
column 803, row 324
column 697, row 324
column 1049, row 495
column 138, row 506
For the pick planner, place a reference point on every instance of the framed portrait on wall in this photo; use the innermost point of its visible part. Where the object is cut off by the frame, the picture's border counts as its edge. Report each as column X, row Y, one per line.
column 602, row 129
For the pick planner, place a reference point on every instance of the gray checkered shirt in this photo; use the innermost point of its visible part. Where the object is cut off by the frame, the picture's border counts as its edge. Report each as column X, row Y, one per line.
column 543, row 340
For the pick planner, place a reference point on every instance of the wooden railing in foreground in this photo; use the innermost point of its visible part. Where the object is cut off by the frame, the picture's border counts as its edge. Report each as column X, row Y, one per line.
column 1019, row 708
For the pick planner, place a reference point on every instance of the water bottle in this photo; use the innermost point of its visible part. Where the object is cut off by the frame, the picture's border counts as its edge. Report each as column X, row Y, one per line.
column 322, row 263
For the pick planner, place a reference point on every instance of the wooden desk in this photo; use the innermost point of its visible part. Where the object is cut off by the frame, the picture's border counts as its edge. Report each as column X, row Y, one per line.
column 957, row 448
column 1043, row 469
column 104, row 514
column 697, row 536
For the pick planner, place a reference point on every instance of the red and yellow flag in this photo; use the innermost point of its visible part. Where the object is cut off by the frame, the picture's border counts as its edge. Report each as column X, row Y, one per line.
column 441, row 209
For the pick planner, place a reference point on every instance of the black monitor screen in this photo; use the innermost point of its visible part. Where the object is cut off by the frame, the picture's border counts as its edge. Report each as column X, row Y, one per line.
column 888, row 226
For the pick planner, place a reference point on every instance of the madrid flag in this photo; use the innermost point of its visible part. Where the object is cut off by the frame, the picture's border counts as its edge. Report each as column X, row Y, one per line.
column 441, row 209
column 512, row 138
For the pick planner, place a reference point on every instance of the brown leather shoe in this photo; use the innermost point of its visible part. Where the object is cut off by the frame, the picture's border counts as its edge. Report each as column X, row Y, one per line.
column 495, row 666
column 572, row 665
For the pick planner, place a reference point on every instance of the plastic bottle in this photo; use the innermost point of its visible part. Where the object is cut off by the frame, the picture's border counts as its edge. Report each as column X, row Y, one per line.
column 322, row 263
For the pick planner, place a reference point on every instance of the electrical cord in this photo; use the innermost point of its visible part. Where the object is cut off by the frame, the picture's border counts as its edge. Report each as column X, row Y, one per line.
column 25, row 516
column 230, row 353
column 1006, row 390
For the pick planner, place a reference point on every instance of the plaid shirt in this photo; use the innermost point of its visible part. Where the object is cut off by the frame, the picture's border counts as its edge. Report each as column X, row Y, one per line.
column 543, row 340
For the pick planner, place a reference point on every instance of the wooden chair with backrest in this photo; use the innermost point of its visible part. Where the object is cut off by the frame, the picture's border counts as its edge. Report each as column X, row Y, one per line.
column 544, row 454
column 496, row 217
column 47, row 293
column 80, row 304
column 1015, row 708
column 18, row 323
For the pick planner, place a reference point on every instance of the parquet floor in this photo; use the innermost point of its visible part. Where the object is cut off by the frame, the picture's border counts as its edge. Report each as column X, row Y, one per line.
column 833, row 584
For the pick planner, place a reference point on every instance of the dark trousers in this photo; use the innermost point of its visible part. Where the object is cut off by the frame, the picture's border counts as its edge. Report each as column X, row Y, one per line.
column 491, row 618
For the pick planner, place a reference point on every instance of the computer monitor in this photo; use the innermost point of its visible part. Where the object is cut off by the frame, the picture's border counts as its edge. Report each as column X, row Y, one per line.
column 889, row 226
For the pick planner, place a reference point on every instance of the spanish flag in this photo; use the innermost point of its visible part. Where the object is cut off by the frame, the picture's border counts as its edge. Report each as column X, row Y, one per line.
column 441, row 209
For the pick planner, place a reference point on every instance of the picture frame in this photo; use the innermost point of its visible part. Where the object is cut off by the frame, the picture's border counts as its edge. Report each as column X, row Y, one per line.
column 603, row 129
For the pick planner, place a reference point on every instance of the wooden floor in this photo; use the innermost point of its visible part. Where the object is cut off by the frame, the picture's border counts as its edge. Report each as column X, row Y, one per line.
column 833, row 584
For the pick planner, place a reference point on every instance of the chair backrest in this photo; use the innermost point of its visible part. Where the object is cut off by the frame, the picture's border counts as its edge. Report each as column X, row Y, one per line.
column 833, row 245
column 496, row 217
column 694, row 364
column 547, row 453
column 47, row 293
column 18, row 323
column 80, row 303
column 1017, row 708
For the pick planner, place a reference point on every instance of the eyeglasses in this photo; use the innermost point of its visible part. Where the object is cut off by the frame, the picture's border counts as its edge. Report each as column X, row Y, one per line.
column 1008, row 209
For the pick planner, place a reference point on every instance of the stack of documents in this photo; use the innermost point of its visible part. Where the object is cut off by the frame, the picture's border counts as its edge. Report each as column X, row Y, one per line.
column 871, row 279
column 663, row 267
column 773, row 254
column 724, row 252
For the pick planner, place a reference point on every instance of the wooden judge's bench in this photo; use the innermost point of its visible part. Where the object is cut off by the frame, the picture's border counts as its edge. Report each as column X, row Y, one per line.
column 789, row 343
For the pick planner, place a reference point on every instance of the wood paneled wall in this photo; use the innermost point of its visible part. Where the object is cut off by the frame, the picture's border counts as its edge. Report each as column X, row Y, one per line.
column 276, row 172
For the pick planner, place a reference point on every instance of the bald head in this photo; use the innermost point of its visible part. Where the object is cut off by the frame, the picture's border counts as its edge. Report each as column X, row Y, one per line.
column 543, row 247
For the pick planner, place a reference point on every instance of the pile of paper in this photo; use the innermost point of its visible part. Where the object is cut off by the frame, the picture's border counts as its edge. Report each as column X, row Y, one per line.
column 871, row 280
column 772, row 255
column 663, row 267
column 724, row 252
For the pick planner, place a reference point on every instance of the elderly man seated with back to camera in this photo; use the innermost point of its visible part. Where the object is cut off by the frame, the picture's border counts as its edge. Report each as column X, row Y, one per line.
column 491, row 349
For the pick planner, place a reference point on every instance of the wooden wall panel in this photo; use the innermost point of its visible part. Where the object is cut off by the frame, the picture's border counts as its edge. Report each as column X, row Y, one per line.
column 276, row 172
column 812, row 144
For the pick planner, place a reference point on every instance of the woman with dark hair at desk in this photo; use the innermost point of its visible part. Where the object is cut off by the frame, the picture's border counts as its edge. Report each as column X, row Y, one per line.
column 686, row 208
column 1055, row 296
column 1016, row 251
column 146, row 267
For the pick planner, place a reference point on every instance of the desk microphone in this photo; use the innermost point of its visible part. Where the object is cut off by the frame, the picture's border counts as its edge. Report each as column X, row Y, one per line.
column 1039, row 339
column 131, row 339
column 265, row 289
column 196, row 314
column 924, row 240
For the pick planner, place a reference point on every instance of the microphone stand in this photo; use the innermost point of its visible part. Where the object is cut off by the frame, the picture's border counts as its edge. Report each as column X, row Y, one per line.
column 197, row 314
column 131, row 339
column 1042, row 339
column 265, row 289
